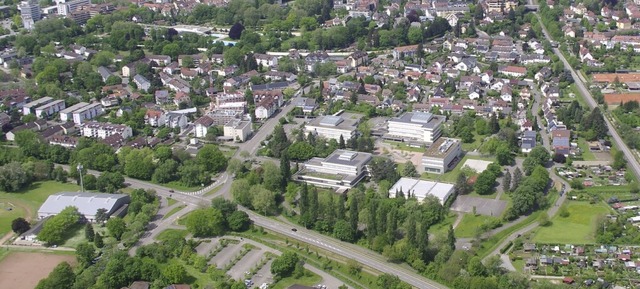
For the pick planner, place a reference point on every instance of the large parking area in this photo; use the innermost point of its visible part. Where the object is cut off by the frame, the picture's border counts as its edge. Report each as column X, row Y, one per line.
column 483, row 206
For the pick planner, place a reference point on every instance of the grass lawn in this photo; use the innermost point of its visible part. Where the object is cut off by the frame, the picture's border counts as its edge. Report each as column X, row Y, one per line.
column 587, row 155
column 75, row 236
column 404, row 147
column 171, row 202
column 577, row 228
column 442, row 228
column 32, row 197
column 164, row 234
column 470, row 225
column 477, row 142
column 309, row 279
column 173, row 211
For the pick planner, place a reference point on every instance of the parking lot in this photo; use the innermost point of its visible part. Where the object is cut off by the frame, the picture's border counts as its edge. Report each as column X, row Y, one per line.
column 488, row 207
column 246, row 263
column 224, row 256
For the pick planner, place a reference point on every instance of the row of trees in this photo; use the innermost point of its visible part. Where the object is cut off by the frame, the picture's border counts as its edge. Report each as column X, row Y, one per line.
column 217, row 219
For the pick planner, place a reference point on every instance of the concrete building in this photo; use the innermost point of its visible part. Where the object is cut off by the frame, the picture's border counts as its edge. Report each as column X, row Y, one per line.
column 90, row 111
column 142, row 82
column 442, row 155
column 49, row 109
column 30, row 13
column 421, row 189
column 342, row 169
column 67, row 113
column 29, row 107
column 88, row 204
column 334, row 126
column 237, row 129
column 103, row 130
column 415, row 127
column 64, row 8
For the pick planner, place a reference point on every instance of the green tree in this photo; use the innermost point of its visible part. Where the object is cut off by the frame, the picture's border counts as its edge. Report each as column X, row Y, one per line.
column 116, row 227
column 301, row 151
column 538, row 156
column 284, row 265
column 207, row 222
column 517, row 178
column 238, row 221
column 506, row 182
column 54, row 229
column 97, row 240
column 618, row 160
column 451, row 238
column 409, row 170
column 89, row 234
column 20, row 225
column 211, row 158
column 241, row 192
column 272, row 178
column 62, row 276
column 175, row 273
column 85, row 253
column 476, row 268
column 343, row 231
column 264, row 201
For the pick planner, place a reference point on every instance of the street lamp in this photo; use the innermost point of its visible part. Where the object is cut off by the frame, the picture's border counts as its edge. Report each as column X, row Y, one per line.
column 79, row 167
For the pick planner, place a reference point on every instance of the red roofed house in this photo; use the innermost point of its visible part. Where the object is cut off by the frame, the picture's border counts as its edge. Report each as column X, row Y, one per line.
column 513, row 71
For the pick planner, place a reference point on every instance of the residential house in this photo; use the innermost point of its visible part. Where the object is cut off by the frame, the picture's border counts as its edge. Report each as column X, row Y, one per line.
column 528, row 141
column 142, row 82
column 513, row 71
column 561, row 141
column 404, row 52
column 202, row 126
column 266, row 60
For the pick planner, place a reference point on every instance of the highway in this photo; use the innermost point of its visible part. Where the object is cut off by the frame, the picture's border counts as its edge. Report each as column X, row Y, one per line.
column 631, row 160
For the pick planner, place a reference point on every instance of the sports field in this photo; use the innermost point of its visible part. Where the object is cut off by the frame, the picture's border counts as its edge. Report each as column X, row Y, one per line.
column 22, row 270
column 578, row 228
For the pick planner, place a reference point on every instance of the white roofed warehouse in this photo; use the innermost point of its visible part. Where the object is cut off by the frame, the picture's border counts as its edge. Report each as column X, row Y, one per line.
column 420, row 189
column 88, row 204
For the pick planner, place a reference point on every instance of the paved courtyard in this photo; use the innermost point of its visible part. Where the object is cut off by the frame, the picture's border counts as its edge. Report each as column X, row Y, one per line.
column 484, row 206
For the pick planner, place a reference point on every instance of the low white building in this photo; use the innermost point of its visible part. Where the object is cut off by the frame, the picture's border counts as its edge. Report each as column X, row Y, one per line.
column 86, row 112
column 202, row 126
column 29, row 107
column 49, row 109
column 420, row 127
column 103, row 130
column 67, row 113
column 334, row 126
column 442, row 155
column 421, row 189
column 342, row 169
column 87, row 204
column 238, row 130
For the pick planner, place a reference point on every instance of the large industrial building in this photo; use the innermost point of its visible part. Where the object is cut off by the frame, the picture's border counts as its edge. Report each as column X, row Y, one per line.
column 342, row 169
column 441, row 155
column 88, row 204
column 421, row 189
column 416, row 128
column 334, row 126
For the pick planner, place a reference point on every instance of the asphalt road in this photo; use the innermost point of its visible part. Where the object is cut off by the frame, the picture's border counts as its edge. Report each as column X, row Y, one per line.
column 631, row 160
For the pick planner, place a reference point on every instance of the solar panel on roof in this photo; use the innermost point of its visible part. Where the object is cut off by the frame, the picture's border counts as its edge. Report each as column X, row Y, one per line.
column 331, row 120
column 421, row 117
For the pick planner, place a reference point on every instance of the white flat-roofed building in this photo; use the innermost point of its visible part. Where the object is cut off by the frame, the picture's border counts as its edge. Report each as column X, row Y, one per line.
column 342, row 169
column 421, row 189
column 420, row 127
column 441, row 155
column 67, row 113
column 86, row 112
column 29, row 108
column 64, row 7
column 47, row 110
column 87, row 204
column 334, row 126
column 103, row 130
column 237, row 129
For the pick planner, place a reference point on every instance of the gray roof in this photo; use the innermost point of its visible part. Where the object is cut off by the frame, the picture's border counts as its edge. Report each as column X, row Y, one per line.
column 348, row 158
column 87, row 203
column 428, row 120
column 347, row 121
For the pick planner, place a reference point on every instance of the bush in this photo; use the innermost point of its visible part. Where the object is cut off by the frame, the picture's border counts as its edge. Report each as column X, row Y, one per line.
column 564, row 213
column 543, row 220
column 506, row 248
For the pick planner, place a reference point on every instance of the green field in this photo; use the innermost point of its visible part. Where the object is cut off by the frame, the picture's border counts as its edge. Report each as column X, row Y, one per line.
column 309, row 279
column 577, row 228
column 25, row 203
column 587, row 155
column 163, row 235
column 470, row 225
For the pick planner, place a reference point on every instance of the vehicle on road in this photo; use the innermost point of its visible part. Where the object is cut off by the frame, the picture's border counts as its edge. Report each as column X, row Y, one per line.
column 294, row 229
